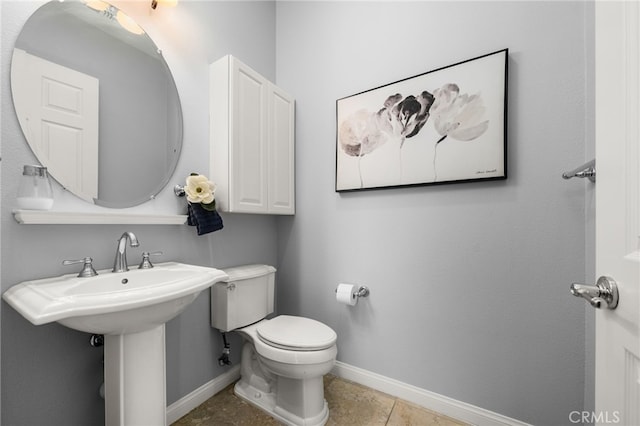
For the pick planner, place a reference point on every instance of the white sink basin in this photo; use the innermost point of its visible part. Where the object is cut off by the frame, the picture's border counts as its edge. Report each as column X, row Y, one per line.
column 113, row 303
column 130, row 309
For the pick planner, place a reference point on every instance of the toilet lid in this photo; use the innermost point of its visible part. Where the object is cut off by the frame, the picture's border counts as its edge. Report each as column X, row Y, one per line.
column 296, row 333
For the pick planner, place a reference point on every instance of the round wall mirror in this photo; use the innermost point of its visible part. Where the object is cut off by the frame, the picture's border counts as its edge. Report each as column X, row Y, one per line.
column 96, row 102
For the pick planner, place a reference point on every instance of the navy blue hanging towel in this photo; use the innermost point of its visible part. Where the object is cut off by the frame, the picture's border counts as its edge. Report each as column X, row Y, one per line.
column 205, row 221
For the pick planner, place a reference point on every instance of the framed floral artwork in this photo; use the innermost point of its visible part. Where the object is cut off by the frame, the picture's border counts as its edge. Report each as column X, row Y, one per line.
column 443, row 126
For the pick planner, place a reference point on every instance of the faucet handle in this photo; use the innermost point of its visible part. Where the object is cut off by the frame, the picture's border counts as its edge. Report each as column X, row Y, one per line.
column 146, row 263
column 87, row 268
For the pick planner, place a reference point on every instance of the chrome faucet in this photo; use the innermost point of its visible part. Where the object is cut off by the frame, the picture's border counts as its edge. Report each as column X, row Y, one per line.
column 120, row 262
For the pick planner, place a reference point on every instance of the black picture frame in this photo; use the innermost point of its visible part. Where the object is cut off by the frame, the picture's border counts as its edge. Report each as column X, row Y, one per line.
column 443, row 126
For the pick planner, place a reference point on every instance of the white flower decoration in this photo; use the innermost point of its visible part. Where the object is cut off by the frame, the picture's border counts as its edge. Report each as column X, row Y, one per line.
column 460, row 117
column 200, row 189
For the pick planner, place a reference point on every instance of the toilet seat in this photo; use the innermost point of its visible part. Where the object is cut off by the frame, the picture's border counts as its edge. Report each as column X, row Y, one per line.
column 286, row 356
column 296, row 333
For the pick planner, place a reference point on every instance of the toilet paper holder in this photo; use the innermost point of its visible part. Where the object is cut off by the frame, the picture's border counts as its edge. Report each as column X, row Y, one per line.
column 363, row 291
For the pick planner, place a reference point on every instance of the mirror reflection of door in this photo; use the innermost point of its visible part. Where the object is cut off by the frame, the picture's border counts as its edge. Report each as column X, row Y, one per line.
column 59, row 108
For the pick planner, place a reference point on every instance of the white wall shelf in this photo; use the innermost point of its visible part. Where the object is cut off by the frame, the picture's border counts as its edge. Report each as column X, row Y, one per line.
column 44, row 217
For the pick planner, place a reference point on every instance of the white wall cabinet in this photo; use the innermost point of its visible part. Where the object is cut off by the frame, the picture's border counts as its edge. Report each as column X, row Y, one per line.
column 251, row 141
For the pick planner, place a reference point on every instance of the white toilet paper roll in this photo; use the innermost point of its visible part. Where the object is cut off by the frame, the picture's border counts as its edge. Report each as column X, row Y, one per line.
column 346, row 294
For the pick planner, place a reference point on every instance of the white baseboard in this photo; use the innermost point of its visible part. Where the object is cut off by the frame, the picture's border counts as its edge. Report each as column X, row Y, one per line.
column 450, row 407
column 432, row 401
column 188, row 402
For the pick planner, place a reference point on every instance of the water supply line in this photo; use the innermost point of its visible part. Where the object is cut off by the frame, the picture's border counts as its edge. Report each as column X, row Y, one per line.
column 96, row 340
column 224, row 358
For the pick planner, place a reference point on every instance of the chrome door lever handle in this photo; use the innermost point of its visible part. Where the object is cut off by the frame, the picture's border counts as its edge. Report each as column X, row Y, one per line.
column 603, row 294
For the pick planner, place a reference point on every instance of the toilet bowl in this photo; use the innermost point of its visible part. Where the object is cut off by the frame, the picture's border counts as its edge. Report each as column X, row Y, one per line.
column 287, row 380
column 284, row 358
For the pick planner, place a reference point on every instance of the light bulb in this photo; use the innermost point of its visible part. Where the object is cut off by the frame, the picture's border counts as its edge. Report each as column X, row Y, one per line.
column 98, row 5
column 128, row 23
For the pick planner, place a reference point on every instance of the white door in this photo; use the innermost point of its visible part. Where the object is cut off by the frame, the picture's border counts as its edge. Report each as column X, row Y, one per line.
column 617, row 210
column 57, row 108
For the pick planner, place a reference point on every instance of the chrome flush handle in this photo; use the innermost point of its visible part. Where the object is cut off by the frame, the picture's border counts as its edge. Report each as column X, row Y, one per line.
column 603, row 294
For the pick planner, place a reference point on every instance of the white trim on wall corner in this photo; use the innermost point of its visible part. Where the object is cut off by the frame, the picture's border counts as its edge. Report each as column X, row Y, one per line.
column 424, row 398
column 188, row 402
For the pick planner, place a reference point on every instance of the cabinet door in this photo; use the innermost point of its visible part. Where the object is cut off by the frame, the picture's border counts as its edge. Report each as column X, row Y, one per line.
column 281, row 151
column 248, row 153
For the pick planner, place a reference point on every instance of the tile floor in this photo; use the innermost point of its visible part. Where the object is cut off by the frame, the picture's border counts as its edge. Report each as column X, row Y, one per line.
column 350, row 404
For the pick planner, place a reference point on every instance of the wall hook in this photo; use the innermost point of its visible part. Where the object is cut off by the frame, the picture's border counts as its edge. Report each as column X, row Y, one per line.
column 179, row 191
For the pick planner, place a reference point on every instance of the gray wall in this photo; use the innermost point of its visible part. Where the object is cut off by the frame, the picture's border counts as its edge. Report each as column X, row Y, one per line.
column 469, row 282
column 50, row 374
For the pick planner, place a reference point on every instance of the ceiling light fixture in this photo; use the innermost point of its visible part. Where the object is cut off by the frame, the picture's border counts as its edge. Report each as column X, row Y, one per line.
column 98, row 5
column 169, row 3
column 128, row 23
column 113, row 13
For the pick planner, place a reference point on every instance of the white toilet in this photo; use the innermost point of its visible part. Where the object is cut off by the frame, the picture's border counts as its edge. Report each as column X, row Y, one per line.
column 284, row 358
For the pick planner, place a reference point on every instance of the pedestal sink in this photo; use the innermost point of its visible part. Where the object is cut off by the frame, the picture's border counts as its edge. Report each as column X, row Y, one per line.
column 130, row 309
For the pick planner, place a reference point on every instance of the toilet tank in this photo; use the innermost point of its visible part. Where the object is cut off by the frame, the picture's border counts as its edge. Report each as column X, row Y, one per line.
column 246, row 297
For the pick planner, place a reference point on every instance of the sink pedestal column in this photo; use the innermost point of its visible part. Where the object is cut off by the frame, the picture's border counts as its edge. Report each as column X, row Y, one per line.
column 134, row 378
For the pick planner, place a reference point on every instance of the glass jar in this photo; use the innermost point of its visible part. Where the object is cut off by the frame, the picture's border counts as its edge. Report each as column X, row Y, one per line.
column 34, row 191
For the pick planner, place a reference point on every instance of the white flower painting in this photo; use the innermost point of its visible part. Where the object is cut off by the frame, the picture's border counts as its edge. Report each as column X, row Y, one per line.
column 443, row 126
